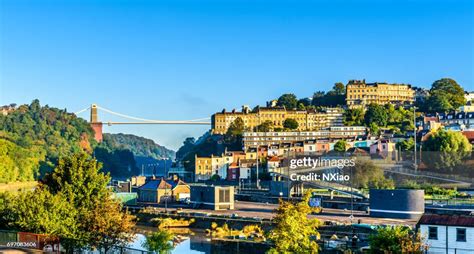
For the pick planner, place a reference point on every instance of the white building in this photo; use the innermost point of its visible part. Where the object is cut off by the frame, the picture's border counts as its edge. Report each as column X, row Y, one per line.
column 253, row 139
column 448, row 234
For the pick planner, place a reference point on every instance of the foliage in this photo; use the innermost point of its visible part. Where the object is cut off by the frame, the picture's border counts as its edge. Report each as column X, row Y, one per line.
column 250, row 232
column 445, row 95
column 289, row 101
column 290, row 123
column 396, row 240
column 365, row 174
column 339, row 88
column 18, row 163
column 187, row 146
column 170, row 222
column 265, row 126
column 74, row 204
column 99, row 220
column 38, row 211
column 294, row 231
column 406, row 145
column 340, row 146
column 139, row 146
column 354, row 117
column 448, row 149
column 159, row 241
column 376, row 114
column 333, row 98
column 40, row 135
column 235, row 130
column 215, row 177
column 430, row 189
column 116, row 160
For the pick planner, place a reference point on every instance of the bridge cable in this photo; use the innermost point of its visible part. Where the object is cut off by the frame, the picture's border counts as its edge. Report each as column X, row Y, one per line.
column 146, row 120
column 80, row 111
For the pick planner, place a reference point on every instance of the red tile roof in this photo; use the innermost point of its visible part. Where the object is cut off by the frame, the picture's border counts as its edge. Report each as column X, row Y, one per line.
column 469, row 135
column 447, row 220
column 274, row 159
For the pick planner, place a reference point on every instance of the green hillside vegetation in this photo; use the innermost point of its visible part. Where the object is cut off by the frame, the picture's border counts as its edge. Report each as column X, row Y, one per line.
column 33, row 138
column 139, row 146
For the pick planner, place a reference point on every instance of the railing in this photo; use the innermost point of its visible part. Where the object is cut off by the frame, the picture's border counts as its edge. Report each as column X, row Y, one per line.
column 442, row 250
column 25, row 240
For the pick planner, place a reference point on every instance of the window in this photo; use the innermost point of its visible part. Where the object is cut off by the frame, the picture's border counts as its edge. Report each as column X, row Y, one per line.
column 433, row 233
column 460, row 234
column 224, row 195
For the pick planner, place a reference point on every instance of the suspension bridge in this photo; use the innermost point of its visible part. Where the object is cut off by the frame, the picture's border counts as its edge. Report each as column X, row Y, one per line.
column 96, row 124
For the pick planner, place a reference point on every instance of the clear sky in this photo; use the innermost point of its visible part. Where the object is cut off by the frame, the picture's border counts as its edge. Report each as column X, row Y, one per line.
column 173, row 60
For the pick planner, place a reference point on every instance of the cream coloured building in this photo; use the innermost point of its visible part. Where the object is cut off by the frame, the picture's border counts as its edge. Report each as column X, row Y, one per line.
column 307, row 120
column 360, row 94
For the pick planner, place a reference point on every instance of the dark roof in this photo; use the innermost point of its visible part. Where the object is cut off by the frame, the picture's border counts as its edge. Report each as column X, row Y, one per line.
column 298, row 143
column 447, row 220
column 155, row 184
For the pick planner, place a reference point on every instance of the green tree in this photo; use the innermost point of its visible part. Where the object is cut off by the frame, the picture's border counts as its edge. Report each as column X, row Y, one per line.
column 39, row 211
column 354, row 117
column 265, row 126
column 289, row 101
column 340, row 146
column 290, row 123
column 187, row 147
column 365, row 174
column 339, row 88
column 445, row 95
column 294, row 232
column 235, row 132
column 159, row 242
column 446, row 149
column 376, row 114
column 396, row 240
column 406, row 145
column 215, row 177
column 99, row 219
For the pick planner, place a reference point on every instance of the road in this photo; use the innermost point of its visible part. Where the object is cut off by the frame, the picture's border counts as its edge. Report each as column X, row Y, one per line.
column 266, row 211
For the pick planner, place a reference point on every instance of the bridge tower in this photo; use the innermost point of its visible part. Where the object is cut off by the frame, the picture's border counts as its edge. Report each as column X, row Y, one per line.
column 95, row 124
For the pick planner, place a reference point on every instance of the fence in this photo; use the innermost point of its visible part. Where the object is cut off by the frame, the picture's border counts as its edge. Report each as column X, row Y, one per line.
column 441, row 250
column 43, row 242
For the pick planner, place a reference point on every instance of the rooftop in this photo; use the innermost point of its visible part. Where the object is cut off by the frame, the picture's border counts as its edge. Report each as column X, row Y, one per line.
column 447, row 220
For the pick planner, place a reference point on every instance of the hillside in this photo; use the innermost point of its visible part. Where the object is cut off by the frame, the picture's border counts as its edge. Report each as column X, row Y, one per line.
column 33, row 137
column 139, row 146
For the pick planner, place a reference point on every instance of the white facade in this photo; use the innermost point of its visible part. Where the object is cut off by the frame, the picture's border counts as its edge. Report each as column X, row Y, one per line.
column 448, row 239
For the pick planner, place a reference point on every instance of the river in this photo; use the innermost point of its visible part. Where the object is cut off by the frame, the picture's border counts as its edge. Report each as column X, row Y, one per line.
column 194, row 242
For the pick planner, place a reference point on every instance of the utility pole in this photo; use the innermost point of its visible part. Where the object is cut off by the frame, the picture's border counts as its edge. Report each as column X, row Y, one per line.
column 288, row 176
column 414, row 136
column 258, row 184
column 352, row 198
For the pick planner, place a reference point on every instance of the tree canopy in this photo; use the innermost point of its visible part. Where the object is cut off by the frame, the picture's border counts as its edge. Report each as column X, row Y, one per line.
column 445, row 95
column 446, row 149
column 340, row 146
column 289, row 101
column 72, row 203
column 376, row 114
column 396, row 240
column 294, row 231
column 290, row 123
column 354, row 117
column 365, row 174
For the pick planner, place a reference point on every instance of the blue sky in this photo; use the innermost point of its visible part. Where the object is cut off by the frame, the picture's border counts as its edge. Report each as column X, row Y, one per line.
column 173, row 60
